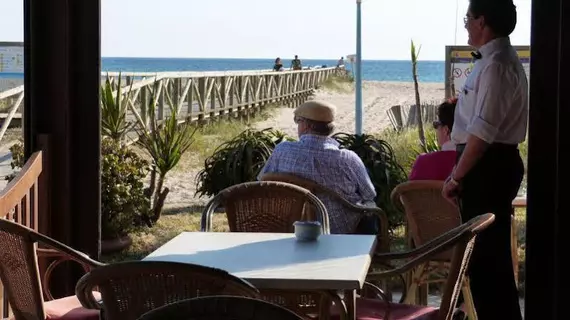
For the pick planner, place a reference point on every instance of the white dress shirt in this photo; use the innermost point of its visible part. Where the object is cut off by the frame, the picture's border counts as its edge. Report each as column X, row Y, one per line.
column 493, row 104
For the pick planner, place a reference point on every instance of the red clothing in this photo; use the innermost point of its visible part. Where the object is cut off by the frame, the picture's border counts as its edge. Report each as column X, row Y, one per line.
column 433, row 166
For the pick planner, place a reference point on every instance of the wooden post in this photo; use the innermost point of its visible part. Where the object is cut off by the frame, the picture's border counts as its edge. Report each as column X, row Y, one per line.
column 62, row 78
column 548, row 139
column 190, row 98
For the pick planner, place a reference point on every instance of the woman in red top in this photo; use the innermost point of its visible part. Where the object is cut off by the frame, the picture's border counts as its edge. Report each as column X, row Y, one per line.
column 439, row 164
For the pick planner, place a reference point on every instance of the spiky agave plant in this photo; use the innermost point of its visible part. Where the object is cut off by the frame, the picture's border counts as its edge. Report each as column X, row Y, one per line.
column 238, row 160
column 384, row 171
column 114, row 107
column 166, row 142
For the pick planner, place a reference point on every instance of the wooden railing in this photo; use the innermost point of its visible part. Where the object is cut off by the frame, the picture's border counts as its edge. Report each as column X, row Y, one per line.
column 19, row 203
column 202, row 95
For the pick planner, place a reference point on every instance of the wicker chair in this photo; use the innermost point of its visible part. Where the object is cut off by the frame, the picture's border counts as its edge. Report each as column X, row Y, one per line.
column 221, row 308
column 360, row 210
column 429, row 215
column 22, row 247
column 460, row 241
column 19, row 273
column 264, row 207
column 270, row 206
column 130, row 289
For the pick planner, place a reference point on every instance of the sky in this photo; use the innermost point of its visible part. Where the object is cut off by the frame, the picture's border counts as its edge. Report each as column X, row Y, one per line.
column 320, row 29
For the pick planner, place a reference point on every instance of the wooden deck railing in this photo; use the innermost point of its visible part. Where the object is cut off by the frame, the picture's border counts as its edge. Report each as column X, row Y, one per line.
column 202, row 95
column 19, row 203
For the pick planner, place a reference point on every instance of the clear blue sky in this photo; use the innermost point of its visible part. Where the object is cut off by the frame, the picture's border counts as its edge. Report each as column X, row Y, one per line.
column 270, row 28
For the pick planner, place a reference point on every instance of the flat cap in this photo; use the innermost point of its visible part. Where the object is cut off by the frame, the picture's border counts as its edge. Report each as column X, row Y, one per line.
column 316, row 110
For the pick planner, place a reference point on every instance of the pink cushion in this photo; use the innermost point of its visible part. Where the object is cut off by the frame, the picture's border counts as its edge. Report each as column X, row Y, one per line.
column 69, row 308
column 373, row 309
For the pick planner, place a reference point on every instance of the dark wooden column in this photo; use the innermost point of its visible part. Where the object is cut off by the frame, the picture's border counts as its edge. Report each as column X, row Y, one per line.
column 62, row 79
column 548, row 162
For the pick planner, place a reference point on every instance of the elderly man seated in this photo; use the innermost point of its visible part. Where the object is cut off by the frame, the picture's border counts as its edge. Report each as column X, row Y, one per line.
column 317, row 156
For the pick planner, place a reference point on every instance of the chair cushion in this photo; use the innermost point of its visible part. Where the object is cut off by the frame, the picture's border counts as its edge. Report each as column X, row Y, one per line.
column 69, row 308
column 373, row 309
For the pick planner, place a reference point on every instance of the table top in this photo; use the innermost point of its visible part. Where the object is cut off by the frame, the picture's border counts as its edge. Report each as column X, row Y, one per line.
column 276, row 260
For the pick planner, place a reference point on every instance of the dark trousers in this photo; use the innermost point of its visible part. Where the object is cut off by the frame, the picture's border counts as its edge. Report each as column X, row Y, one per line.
column 490, row 187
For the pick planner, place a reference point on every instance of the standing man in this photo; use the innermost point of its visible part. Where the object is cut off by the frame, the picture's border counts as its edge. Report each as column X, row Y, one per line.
column 296, row 64
column 490, row 122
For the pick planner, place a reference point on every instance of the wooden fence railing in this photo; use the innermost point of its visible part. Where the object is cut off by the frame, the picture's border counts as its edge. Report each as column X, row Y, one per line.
column 19, row 203
column 201, row 95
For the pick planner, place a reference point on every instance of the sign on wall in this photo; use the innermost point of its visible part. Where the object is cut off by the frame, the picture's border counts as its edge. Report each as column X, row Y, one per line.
column 11, row 57
column 459, row 63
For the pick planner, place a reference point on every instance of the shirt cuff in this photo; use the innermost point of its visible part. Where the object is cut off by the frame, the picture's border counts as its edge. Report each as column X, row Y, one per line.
column 483, row 130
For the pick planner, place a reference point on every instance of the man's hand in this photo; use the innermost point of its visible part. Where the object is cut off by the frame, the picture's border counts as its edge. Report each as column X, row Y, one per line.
column 450, row 190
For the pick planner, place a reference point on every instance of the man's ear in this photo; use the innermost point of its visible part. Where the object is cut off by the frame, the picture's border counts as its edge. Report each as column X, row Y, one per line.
column 482, row 22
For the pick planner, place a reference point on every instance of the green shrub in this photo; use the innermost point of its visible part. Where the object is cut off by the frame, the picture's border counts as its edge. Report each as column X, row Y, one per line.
column 238, row 160
column 383, row 168
column 17, row 151
column 124, row 204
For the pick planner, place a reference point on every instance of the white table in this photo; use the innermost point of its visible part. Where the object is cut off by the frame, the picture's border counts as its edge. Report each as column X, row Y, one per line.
column 278, row 260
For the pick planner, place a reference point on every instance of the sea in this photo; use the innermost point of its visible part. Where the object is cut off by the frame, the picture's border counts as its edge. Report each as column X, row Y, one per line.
column 372, row 70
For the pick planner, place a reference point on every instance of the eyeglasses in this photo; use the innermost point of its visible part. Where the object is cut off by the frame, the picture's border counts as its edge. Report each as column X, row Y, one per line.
column 297, row 119
column 468, row 18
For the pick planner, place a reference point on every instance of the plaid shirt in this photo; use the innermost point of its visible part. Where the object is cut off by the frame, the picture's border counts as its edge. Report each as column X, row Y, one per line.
column 319, row 158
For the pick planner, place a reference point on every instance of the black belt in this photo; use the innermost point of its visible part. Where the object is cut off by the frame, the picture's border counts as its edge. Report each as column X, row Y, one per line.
column 493, row 146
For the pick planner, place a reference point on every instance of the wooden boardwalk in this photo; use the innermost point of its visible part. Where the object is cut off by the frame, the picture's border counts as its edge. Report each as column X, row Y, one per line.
column 201, row 95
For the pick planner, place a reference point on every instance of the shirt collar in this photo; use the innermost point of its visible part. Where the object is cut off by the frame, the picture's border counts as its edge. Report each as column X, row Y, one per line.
column 488, row 48
column 316, row 139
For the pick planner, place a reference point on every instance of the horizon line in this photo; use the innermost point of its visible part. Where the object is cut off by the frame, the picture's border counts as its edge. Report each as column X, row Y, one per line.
column 257, row 58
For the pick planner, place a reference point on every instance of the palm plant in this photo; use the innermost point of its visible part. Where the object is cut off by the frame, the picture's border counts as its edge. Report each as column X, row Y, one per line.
column 114, row 122
column 415, row 53
column 165, row 142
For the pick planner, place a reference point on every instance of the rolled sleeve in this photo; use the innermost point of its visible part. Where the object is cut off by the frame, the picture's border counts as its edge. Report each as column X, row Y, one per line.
column 492, row 103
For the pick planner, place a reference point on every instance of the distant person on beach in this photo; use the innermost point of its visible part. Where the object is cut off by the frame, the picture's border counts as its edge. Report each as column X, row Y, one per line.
column 490, row 122
column 439, row 164
column 340, row 62
column 296, row 64
column 317, row 157
column 278, row 65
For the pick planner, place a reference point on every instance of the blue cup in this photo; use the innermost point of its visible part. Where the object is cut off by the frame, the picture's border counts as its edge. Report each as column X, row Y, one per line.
column 307, row 230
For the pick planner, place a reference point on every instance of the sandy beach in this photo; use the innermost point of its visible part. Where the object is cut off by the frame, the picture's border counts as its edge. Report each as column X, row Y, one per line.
column 377, row 98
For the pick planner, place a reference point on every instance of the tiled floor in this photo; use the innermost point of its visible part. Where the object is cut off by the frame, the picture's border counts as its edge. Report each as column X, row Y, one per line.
column 434, row 301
